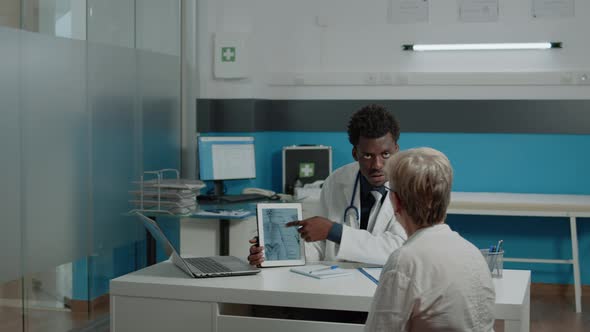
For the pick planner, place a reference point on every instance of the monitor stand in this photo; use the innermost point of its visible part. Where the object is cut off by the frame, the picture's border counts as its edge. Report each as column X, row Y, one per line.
column 223, row 223
column 218, row 187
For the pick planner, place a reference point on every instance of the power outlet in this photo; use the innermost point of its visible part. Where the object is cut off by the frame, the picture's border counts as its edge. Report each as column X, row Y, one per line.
column 566, row 78
column 386, row 79
column 36, row 284
column 583, row 78
column 402, row 79
column 371, row 78
column 298, row 80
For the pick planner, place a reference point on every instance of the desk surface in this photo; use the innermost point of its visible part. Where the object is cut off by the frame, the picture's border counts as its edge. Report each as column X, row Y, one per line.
column 565, row 205
column 272, row 286
column 279, row 287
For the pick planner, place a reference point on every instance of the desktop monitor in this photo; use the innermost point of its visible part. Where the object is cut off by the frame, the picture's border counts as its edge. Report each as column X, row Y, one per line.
column 226, row 158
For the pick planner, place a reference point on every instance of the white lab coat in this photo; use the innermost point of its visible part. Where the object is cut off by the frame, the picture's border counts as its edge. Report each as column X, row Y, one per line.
column 384, row 233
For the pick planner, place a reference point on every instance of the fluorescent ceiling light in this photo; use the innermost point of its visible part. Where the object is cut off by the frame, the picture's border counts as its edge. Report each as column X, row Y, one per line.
column 481, row 46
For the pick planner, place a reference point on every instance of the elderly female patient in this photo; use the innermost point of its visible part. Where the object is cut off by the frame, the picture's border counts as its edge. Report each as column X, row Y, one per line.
column 437, row 281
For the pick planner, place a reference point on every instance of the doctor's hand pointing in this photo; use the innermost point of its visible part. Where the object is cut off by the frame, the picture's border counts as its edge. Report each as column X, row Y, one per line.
column 312, row 229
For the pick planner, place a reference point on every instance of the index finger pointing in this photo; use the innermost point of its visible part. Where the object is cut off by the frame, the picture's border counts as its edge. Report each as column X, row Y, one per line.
column 293, row 223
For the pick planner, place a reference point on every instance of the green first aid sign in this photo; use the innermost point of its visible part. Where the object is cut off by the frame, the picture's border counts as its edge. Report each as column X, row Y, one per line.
column 228, row 54
column 306, row 170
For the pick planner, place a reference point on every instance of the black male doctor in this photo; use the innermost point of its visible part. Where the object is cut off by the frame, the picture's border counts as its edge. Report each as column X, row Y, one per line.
column 357, row 222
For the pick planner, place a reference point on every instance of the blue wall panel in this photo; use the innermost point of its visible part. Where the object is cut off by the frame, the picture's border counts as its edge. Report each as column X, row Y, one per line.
column 518, row 163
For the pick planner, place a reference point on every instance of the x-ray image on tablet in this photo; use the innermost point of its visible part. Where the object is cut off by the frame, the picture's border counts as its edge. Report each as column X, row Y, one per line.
column 283, row 245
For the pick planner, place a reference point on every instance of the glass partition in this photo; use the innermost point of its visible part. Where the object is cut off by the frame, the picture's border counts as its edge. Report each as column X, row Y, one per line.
column 54, row 147
column 11, row 270
column 90, row 94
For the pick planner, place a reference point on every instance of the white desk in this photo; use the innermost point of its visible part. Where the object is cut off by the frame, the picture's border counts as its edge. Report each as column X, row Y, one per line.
column 530, row 205
column 162, row 298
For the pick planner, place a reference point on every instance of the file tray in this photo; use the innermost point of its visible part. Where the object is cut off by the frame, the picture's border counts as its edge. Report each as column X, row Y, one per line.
column 179, row 184
column 166, row 195
column 162, row 203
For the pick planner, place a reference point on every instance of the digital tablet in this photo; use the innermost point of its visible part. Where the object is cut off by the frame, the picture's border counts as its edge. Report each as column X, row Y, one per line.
column 283, row 246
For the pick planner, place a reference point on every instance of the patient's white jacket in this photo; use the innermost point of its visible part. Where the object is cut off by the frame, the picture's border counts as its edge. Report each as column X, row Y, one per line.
column 437, row 281
column 383, row 235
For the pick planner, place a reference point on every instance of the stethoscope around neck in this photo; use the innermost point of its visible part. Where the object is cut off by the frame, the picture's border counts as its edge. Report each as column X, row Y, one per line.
column 352, row 210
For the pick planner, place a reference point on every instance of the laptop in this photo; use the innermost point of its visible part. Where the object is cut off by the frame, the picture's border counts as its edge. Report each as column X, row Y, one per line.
column 199, row 267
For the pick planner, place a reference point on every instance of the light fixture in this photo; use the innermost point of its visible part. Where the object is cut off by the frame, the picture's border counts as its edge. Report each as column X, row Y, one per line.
column 481, row 46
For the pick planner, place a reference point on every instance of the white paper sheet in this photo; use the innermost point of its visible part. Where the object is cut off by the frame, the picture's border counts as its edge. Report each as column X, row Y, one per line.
column 552, row 8
column 478, row 10
column 408, row 11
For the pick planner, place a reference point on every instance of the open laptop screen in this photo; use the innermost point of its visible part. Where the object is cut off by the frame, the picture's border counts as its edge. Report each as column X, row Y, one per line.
column 157, row 233
column 198, row 267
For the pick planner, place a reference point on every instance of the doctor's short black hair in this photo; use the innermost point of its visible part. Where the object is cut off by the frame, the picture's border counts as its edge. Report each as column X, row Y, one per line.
column 372, row 121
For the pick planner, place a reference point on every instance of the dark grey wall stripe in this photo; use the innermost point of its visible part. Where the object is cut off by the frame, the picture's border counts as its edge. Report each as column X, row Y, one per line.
column 465, row 116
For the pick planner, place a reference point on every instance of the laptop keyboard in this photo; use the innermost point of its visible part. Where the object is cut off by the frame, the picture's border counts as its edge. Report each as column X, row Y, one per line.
column 207, row 265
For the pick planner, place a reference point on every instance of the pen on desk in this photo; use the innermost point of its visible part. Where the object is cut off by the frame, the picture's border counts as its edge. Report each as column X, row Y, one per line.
column 368, row 275
column 490, row 258
column 333, row 267
column 496, row 250
column 498, row 246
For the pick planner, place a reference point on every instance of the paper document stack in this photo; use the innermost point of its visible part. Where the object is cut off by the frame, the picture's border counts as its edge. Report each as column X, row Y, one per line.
column 172, row 195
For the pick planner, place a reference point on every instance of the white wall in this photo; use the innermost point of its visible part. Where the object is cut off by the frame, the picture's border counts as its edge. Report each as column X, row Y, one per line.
column 158, row 26
column 200, row 237
column 355, row 40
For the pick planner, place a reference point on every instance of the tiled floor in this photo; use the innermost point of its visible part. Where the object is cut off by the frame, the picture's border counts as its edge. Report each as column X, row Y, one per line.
column 43, row 313
column 551, row 310
column 48, row 320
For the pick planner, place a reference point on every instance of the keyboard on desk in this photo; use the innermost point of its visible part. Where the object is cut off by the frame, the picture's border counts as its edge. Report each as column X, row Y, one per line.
column 207, row 265
column 242, row 198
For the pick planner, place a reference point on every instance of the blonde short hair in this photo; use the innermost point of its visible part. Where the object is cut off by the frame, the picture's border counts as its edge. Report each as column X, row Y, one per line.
column 422, row 179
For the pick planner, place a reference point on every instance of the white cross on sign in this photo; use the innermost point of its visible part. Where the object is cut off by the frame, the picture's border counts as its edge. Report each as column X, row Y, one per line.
column 306, row 170
column 228, row 54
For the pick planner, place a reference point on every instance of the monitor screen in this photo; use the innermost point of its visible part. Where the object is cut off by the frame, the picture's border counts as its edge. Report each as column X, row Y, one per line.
column 226, row 158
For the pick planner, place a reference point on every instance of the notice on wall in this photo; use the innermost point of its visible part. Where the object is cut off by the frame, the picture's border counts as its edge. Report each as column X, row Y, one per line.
column 408, row 11
column 552, row 8
column 478, row 10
